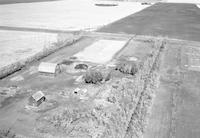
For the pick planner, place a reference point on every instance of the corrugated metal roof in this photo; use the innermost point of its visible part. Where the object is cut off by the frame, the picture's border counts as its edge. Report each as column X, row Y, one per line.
column 47, row 67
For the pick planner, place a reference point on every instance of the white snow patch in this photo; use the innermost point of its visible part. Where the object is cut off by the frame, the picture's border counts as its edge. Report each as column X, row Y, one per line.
column 101, row 51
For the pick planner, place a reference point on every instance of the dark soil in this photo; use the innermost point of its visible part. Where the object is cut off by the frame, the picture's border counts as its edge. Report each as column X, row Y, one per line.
column 172, row 20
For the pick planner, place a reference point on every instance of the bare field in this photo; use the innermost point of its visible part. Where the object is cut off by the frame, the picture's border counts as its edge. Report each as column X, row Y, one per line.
column 184, row 1
column 175, row 111
column 171, row 20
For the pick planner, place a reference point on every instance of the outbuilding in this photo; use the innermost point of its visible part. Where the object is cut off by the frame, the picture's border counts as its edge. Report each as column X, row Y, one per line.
column 37, row 98
column 49, row 69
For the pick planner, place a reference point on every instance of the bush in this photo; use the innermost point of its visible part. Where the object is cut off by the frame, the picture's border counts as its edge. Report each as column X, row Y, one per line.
column 127, row 67
column 97, row 75
column 7, row 134
column 81, row 66
column 93, row 76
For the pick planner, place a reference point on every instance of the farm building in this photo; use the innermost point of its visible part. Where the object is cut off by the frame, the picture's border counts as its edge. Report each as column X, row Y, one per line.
column 49, row 69
column 37, row 98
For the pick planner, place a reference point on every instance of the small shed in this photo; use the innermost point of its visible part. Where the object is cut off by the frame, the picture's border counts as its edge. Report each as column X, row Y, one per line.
column 37, row 98
column 51, row 69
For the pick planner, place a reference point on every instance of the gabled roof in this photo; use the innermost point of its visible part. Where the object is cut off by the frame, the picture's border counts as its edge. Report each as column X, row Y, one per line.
column 38, row 95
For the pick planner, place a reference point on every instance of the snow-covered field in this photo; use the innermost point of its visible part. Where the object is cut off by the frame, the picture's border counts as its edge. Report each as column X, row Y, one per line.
column 16, row 45
column 65, row 15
